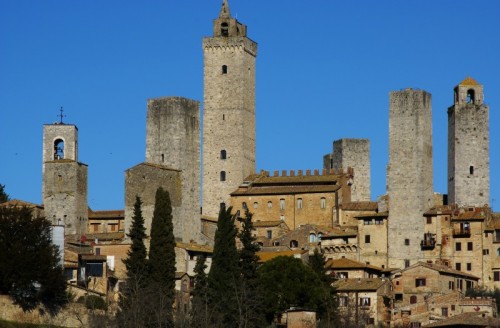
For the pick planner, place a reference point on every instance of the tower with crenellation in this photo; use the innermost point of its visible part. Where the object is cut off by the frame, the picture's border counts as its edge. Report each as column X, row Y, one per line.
column 468, row 146
column 229, row 110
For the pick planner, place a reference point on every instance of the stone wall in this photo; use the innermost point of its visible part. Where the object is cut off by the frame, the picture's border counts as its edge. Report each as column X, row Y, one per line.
column 409, row 174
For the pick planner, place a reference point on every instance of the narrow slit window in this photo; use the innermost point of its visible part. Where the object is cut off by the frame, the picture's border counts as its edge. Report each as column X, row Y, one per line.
column 471, row 170
column 222, row 175
column 224, row 69
column 223, row 154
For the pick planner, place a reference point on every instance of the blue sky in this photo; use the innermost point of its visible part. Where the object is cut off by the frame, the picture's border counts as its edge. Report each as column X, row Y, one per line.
column 324, row 72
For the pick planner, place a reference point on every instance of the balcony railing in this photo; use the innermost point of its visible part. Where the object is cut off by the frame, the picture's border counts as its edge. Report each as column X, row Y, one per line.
column 461, row 232
column 428, row 243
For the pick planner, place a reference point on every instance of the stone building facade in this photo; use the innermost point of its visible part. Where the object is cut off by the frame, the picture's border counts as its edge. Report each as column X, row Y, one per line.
column 353, row 153
column 229, row 110
column 468, row 146
column 409, row 173
column 64, row 185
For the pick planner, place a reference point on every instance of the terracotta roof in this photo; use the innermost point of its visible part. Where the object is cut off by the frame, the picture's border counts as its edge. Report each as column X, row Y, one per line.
column 264, row 179
column 266, row 256
column 440, row 209
column 21, row 203
column 443, row 269
column 466, row 215
column 361, row 284
column 472, row 319
column 373, row 215
column 469, row 81
column 360, row 206
column 285, row 189
column 344, row 263
column 195, row 247
column 179, row 275
column 108, row 214
column 92, row 257
column 209, row 218
column 263, row 224
column 340, row 232
column 495, row 218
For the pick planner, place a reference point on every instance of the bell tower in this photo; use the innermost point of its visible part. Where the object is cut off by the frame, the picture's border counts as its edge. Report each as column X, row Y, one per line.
column 64, row 192
column 229, row 110
column 468, row 146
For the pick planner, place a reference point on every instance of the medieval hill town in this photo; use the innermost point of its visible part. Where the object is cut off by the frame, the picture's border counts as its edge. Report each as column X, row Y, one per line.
column 411, row 258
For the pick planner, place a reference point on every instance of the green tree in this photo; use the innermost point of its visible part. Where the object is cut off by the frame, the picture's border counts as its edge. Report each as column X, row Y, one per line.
column 29, row 262
column 286, row 282
column 250, row 307
column 199, row 303
column 132, row 301
column 223, row 277
column 3, row 195
column 161, row 282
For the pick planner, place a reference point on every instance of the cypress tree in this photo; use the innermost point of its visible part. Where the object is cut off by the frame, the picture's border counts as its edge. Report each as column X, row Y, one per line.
column 162, row 261
column 132, row 312
column 4, row 197
column 327, row 310
column 224, row 273
column 199, row 303
column 250, row 302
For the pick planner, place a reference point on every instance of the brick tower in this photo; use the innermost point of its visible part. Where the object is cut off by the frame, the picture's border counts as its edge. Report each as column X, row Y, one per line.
column 468, row 146
column 229, row 110
column 409, row 174
column 64, row 191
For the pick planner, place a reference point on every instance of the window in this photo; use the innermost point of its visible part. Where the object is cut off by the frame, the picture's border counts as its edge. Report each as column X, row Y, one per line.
column 415, row 324
column 498, row 251
column 370, row 321
column 364, row 301
column 282, row 204
column 312, row 237
column 444, row 312
column 367, row 221
column 469, row 266
column 255, row 205
column 93, row 269
column 222, row 206
column 470, row 246
column 299, row 203
column 486, row 252
column 470, row 96
column 460, row 284
column 367, row 239
column 458, row 266
column 471, row 170
column 343, row 275
column 429, row 220
column 468, row 284
column 323, row 202
column 244, row 205
column 407, row 263
column 112, row 227
column 282, row 217
column 269, row 204
column 458, row 247
column 162, row 158
column 413, row 299
column 398, row 297
column 222, row 175
column 58, row 149
column 343, row 300
column 224, row 29
column 269, row 234
column 407, row 242
column 224, row 69
column 223, row 154
column 451, row 285
column 294, row 244
column 496, row 275
column 379, row 221
column 420, row 282
column 453, row 307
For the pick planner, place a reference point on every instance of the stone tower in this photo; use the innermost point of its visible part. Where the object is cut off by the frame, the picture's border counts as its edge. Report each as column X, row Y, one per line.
column 409, row 174
column 468, row 146
column 229, row 110
column 64, row 191
column 354, row 153
column 172, row 162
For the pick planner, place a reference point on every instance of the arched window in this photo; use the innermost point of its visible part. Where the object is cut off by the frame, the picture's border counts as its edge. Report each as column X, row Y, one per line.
column 471, row 170
column 282, row 204
column 222, row 175
column 323, row 202
column 299, row 203
column 58, row 149
column 312, row 237
column 471, row 96
column 498, row 251
column 294, row 244
column 223, row 154
column 269, row 204
column 413, row 299
column 255, row 205
column 224, row 69
column 224, row 29
column 319, row 236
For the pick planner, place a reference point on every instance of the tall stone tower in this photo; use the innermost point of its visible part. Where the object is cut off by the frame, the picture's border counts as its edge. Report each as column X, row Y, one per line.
column 409, row 174
column 468, row 146
column 172, row 162
column 65, row 188
column 229, row 110
column 354, row 153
